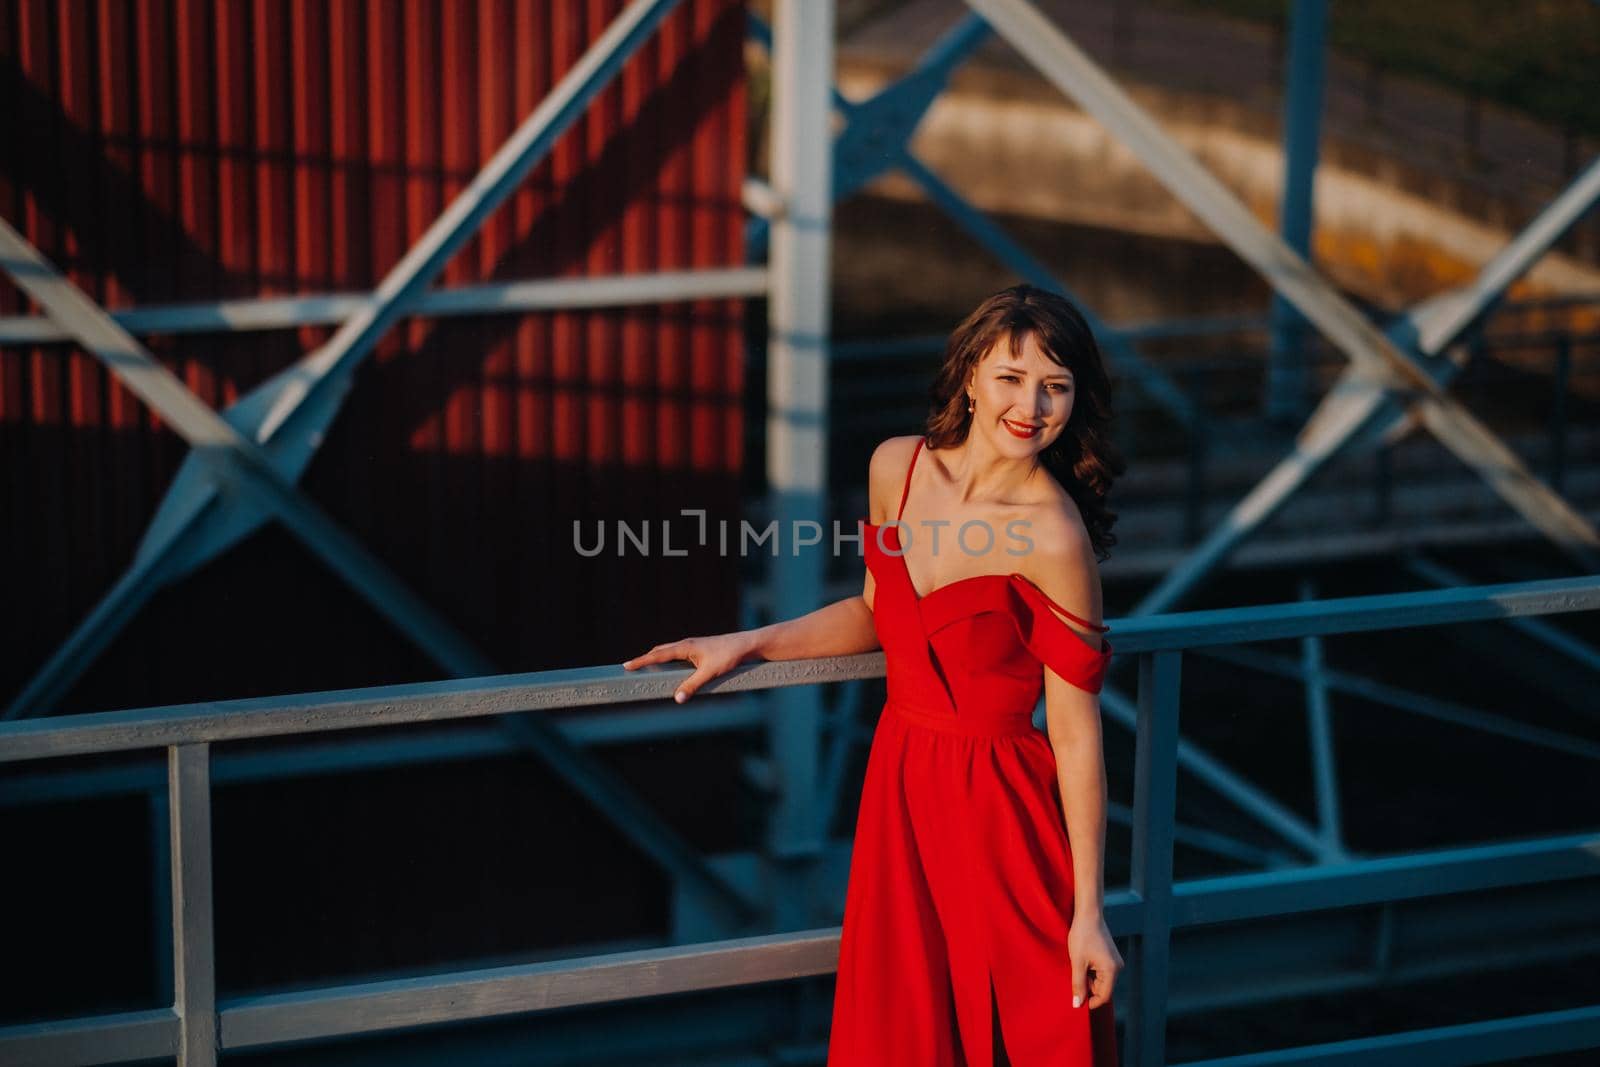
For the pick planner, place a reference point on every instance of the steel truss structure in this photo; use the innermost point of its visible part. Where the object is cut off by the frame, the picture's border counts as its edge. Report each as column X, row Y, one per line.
column 246, row 461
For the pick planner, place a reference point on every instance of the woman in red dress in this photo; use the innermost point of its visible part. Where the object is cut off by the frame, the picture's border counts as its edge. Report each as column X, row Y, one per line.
column 974, row 930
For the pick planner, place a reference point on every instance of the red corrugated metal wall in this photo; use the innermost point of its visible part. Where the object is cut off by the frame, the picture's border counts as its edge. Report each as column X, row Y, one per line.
column 185, row 150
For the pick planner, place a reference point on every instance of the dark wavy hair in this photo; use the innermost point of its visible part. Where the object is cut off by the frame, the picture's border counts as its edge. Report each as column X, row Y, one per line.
column 1083, row 459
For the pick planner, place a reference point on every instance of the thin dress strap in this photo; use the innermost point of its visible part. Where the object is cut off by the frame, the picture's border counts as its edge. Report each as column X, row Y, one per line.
column 1034, row 586
column 907, row 490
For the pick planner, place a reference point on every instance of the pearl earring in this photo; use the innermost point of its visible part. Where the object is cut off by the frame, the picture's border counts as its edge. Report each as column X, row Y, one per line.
column 969, row 401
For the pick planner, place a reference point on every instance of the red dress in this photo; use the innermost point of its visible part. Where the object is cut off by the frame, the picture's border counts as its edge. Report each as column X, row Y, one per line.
column 961, row 876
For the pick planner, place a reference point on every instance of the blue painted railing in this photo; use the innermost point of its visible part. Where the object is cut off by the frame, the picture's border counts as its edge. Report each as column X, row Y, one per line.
column 199, row 1025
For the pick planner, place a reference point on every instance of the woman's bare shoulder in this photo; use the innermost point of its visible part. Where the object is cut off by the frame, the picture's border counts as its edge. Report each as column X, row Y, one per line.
column 1058, row 521
column 886, row 474
column 1061, row 559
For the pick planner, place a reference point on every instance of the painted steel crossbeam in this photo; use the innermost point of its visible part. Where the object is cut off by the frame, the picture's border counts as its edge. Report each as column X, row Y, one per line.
column 532, row 140
column 1402, row 699
column 1441, row 321
column 232, row 482
column 1372, row 354
column 193, row 524
column 228, row 458
column 1202, row 839
column 487, row 298
column 874, row 141
column 1228, row 783
column 310, row 393
column 1348, row 407
column 1491, row 1041
column 114, row 610
column 1358, row 410
column 306, row 397
column 1118, row 346
column 1075, row 74
column 1580, row 652
column 876, row 129
column 1444, row 319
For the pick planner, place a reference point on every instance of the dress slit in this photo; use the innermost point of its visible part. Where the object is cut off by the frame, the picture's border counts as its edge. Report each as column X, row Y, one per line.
column 999, row 1055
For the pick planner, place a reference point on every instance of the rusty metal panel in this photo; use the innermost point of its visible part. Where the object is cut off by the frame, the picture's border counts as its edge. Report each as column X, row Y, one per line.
column 190, row 150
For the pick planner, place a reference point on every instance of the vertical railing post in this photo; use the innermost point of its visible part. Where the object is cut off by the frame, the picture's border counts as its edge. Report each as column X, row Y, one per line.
column 193, row 951
column 160, row 815
column 1319, row 723
column 1155, row 802
column 797, row 419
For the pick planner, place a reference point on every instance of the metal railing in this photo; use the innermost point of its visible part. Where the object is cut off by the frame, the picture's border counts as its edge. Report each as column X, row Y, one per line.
column 199, row 1024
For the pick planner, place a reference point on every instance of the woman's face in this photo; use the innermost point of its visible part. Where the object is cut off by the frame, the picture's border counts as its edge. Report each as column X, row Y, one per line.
column 1020, row 402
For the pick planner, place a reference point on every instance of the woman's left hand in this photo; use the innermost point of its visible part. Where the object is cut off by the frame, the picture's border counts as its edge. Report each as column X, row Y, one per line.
column 1090, row 947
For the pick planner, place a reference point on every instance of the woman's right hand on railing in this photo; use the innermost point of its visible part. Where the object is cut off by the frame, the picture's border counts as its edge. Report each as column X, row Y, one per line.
column 711, row 656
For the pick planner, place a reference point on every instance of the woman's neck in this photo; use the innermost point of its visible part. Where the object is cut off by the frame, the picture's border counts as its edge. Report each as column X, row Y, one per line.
column 980, row 474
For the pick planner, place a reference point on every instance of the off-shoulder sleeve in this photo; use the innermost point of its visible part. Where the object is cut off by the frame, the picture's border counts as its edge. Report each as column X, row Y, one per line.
column 1054, row 643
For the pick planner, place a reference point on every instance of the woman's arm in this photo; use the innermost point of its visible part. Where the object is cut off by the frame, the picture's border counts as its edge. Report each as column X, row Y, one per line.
column 842, row 628
column 1081, row 775
column 838, row 629
column 1073, row 720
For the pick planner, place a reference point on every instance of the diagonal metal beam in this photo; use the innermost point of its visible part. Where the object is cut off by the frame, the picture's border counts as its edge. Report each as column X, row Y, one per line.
column 290, row 412
column 1358, row 410
column 874, row 142
column 1227, row 782
column 232, row 462
column 328, row 369
column 1212, row 841
column 1403, row 699
column 1372, row 354
column 1119, row 346
column 1378, row 366
column 1580, row 652
column 1445, row 318
column 1076, row 75
column 196, row 521
column 239, row 465
column 232, row 475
